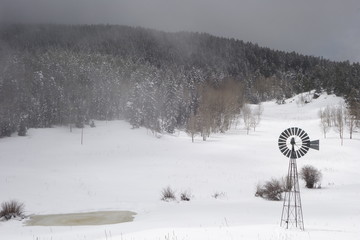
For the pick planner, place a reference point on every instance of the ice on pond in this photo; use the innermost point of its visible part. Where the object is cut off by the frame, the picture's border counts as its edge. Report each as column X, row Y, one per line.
column 81, row 219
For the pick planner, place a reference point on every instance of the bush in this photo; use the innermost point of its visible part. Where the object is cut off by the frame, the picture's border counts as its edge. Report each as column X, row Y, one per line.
column 6, row 128
column 12, row 209
column 185, row 196
column 92, row 124
column 217, row 195
column 310, row 175
column 22, row 130
column 79, row 124
column 271, row 190
column 167, row 194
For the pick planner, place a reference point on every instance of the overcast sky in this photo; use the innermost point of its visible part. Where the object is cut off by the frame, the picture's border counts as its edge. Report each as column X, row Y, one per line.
column 328, row 28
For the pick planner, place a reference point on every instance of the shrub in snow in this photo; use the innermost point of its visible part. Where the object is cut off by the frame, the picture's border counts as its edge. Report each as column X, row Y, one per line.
column 80, row 120
column 271, row 190
column 185, row 196
column 6, row 128
column 280, row 100
column 217, row 195
column 168, row 194
column 12, row 209
column 310, row 175
column 22, row 130
column 92, row 124
column 79, row 124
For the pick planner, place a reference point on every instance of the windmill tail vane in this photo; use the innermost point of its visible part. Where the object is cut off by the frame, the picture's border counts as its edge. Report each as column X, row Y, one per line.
column 314, row 144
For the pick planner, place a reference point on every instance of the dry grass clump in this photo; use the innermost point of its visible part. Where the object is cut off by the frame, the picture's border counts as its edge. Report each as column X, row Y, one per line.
column 168, row 194
column 185, row 196
column 12, row 209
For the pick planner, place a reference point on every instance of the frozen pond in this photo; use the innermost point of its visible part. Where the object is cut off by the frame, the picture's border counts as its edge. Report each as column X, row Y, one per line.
column 81, row 219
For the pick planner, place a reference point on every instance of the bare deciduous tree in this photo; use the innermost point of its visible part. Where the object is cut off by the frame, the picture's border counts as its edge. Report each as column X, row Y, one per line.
column 350, row 121
column 247, row 117
column 192, row 126
column 205, row 111
column 256, row 118
column 340, row 122
column 324, row 120
column 218, row 107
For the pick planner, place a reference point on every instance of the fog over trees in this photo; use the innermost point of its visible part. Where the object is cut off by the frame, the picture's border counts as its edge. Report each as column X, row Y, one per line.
column 69, row 75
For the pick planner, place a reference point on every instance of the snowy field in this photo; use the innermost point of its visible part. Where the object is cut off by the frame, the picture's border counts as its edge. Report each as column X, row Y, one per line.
column 123, row 169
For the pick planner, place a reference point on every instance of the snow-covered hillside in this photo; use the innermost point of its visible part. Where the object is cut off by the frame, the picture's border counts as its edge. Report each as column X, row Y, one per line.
column 119, row 168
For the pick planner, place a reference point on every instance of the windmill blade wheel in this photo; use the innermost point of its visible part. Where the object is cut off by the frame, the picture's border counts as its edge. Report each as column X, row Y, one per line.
column 297, row 139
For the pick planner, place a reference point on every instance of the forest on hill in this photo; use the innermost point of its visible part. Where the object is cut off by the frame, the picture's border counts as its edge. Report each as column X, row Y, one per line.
column 71, row 74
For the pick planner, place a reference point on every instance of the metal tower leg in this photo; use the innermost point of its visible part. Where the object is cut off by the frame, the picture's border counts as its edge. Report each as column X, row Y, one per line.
column 292, row 215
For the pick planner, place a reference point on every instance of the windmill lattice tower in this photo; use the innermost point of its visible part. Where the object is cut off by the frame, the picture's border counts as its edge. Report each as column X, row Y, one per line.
column 294, row 143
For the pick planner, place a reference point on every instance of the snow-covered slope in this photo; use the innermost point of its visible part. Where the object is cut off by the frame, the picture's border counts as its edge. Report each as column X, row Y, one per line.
column 119, row 168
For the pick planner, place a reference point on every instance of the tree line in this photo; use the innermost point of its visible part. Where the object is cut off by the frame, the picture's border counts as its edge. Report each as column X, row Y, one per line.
column 63, row 74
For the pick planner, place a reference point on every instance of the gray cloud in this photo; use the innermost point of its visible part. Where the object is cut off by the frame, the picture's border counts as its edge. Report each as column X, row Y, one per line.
column 328, row 28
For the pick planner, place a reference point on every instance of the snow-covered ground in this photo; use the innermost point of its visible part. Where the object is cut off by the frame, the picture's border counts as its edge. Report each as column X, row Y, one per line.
column 119, row 168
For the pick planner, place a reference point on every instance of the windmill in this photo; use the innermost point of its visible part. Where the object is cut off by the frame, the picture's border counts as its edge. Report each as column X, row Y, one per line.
column 294, row 143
